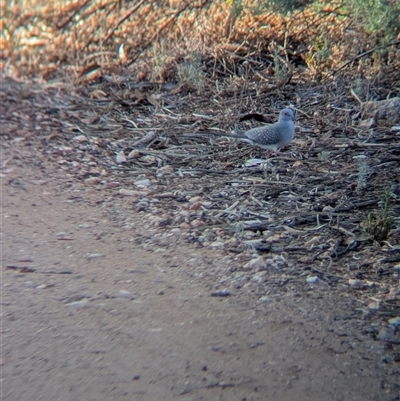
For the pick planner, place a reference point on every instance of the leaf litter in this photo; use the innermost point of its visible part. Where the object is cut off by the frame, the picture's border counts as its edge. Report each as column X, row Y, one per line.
column 309, row 204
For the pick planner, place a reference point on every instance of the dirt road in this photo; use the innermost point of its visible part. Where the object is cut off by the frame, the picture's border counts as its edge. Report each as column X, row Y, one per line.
column 92, row 310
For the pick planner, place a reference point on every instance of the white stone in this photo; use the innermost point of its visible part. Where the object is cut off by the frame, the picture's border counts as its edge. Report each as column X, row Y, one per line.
column 255, row 264
column 312, row 280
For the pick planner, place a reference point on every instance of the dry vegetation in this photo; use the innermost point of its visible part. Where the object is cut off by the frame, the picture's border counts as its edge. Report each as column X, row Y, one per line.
column 117, row 71
column 150, row 39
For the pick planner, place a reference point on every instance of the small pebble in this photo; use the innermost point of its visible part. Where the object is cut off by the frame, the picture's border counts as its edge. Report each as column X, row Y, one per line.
column 165, row 170
column 394, row 322
column 80, row 138
column 375, row 305
column 217, row 244
column 134, row 154
column 383, row 335
column 142, row 183
column 195, row 206
column 129, row 192
column 312, row 280
column 41, row 287
column 92, row 180
column 120, row 158
column 256, row 264
column 221, row 293
column 78, row 304
column 195, row 199
column 356, row 284
column 94, row 255
column 197, row 223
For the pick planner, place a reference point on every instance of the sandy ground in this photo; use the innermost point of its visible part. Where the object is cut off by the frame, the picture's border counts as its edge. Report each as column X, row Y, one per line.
column 94, row 311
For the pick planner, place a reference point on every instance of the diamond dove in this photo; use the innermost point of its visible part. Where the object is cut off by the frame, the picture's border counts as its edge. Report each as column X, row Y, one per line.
column 272, row 136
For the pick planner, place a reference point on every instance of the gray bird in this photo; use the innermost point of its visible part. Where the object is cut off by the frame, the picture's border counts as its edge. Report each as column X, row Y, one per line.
column 272, row 136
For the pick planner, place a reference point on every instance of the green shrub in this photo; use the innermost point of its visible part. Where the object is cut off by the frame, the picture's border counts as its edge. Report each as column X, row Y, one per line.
column 379, row 17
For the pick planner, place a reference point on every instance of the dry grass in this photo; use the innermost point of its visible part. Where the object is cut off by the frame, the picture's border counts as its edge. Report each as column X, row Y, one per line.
column 66, row 39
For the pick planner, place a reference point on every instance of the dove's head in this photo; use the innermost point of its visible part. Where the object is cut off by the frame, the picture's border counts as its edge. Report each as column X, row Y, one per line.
column 287, row 115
